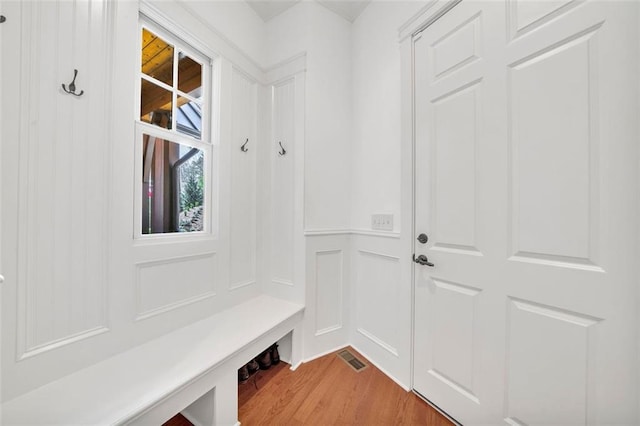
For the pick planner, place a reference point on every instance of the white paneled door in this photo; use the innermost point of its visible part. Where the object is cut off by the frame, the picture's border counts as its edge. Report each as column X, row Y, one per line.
column 526, row 185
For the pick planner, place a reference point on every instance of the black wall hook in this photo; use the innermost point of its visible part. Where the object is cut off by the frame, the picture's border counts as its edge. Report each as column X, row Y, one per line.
column 283, row 151
column 72, row 86
column 244, row 148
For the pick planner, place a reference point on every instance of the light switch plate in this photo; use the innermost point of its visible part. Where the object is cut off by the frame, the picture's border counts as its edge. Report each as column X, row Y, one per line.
column 382, row 222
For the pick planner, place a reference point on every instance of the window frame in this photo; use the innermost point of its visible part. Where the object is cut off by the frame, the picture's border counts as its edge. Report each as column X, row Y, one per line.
column 206, row 143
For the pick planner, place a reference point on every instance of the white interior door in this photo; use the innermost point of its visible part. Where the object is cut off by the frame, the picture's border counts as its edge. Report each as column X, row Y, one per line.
column 526, row 184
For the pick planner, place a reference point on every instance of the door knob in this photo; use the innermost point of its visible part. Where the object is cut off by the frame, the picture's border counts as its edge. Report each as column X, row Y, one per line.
column 422, row 238
column 422, row 260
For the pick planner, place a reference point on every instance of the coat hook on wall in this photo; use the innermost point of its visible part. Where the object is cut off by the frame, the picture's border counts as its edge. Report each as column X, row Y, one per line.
column 2, row 19
column 283, row 151
column 244, row 148
column 72, row 86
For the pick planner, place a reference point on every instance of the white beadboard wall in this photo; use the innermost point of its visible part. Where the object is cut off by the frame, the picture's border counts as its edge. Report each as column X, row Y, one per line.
column 326, row 39
column 62, row 222
column 291, row 226
column 282, row 244
column 243, row 196
column 283, row 180
column 79, row 286
column 324, row 259
column 55, row 156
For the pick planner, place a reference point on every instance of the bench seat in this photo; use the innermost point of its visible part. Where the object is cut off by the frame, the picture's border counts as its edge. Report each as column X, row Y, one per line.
column 151, row 382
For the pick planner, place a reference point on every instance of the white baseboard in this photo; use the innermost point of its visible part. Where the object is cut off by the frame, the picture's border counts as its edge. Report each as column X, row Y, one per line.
column 316, row 356
column 385, row 372
column 325, row 353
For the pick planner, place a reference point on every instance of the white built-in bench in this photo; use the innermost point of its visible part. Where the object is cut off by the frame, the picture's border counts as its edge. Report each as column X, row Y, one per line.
column 191, row 370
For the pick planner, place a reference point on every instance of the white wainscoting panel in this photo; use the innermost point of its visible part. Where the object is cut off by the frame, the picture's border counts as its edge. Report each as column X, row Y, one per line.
column 329, row 290
column 378, row 294
column 63, row 174
column 243, row 182
column 327, row 297
column 168, row 284
column 380, row 303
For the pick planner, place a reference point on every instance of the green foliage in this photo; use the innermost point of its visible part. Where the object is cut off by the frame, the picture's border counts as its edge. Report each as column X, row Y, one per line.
column 192, row 183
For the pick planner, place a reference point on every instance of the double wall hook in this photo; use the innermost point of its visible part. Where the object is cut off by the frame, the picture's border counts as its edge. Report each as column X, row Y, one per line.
column 282, row 150
column 72, row 86
column 244, row 148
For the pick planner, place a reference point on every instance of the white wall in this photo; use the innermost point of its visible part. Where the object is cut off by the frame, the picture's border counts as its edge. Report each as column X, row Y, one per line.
column 358, row 285
column 326, row 39
column 352, row 135
column 381, row 287
column 236, row 22
column 67, row 313
column 351, row 170
column 282, row 182
column 376, row 111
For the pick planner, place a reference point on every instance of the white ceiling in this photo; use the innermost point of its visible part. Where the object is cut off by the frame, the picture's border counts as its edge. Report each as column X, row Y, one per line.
column 267, row 9
column 348, row 9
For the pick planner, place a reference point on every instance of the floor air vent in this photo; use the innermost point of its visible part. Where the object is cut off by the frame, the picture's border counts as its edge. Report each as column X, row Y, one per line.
column 350, row 359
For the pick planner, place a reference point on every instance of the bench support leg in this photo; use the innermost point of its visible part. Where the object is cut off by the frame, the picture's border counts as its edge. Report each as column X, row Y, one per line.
column 225, row 412
column 296, row 346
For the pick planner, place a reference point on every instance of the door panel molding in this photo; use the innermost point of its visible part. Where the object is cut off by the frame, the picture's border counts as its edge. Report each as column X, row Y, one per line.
column 545, row 310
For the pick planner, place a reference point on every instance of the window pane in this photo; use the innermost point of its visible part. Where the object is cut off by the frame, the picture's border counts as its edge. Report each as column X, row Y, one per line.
column 189, row 74
column 157, row 57
column 189, row 117
column 191, row 183
column 155, row 105
column 172, row 187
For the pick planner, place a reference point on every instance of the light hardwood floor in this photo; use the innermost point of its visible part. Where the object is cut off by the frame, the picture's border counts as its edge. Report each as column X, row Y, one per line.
column 327, row 391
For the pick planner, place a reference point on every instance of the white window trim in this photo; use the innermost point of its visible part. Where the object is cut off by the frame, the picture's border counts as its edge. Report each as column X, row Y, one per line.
column 208, row 142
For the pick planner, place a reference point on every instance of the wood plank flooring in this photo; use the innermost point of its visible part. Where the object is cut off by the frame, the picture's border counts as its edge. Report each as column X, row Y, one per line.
column 327, row 391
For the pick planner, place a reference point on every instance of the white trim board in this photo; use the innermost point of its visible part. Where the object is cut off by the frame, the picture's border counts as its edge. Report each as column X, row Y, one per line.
column 325, row 353
column 354, row 231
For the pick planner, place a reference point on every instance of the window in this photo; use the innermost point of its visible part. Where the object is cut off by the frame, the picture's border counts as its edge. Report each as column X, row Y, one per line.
column 173, row 133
